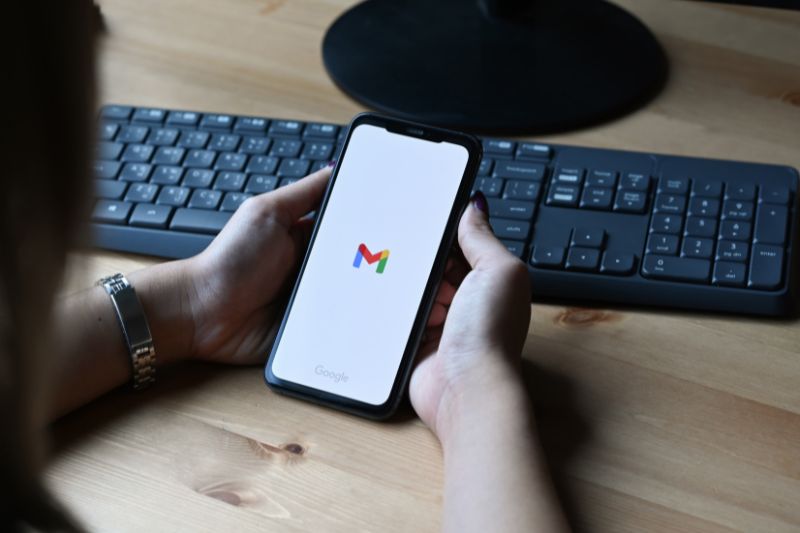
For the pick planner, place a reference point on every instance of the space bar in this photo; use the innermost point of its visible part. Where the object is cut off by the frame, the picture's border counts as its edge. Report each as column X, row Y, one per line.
column 199, row 220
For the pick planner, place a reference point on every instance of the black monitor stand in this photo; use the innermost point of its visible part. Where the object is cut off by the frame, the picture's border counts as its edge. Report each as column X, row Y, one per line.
column 495, row 66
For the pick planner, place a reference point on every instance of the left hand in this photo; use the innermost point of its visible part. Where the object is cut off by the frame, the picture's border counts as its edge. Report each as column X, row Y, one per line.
column 237, row 287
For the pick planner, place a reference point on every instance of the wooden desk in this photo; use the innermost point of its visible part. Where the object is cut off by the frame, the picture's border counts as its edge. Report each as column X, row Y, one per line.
column 653, row 421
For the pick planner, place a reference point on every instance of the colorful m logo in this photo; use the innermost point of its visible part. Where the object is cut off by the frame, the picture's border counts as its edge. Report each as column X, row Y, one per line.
column 364, row 253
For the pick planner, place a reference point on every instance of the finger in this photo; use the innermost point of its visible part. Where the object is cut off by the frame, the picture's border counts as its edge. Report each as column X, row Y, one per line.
column 300, row 198
column 445, row 293
column 479, row 245
column 437, row 316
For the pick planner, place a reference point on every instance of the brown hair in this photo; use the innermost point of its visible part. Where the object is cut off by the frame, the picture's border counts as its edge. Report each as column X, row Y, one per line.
column 44, row 157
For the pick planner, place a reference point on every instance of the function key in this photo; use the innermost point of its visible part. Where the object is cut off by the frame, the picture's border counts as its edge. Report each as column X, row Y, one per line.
column 771, row 224
column 766, row 267
column 619, row 263
column 585, row 259
column 547, row 256
column 588, row 237
column 774, row 195
column 183, row 118
column 630, row 201
column 216, row 122
column 251, row 125
column 486, row 166
column 116, row 112
column 497, row 146
column 568, row 176
column 634, row 181
column 673, row 185
column 533, row 151
column 746, row 192
column 149, row 114
column 519, row 171
column 286, row 127
column 730, row 274
column 321, row 131
column 707, row 189
column 563, row 195
column 601, row 178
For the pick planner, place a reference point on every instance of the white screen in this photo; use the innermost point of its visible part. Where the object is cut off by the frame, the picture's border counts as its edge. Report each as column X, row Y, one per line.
column 348, row 326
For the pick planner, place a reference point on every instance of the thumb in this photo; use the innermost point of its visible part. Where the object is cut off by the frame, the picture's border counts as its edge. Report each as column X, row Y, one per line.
column 475, row 237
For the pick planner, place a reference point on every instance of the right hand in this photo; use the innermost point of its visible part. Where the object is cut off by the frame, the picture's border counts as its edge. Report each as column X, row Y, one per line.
column 476, row 331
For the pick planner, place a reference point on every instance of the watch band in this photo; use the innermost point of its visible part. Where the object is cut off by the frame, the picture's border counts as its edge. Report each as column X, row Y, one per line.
column 135, row 329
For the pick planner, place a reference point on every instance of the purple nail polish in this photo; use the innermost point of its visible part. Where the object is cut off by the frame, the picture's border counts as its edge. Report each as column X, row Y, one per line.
column 332, row 163
column 479, row 200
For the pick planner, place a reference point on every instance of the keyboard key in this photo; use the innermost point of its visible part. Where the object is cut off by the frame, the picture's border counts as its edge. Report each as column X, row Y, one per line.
column 584, row 259
column 618, row 263
column 262, row 164
column 634, row 181
column 233, row 200
column 662, row 244
column 485, row 167
column 511, row 209
column 183, row 118
column 734, row 230
column 106, row 170
column 283, row 182
column 149, row 114
column 293, row 168
column 510, row 229
column 630, row 201
column 169, row 155
column 670, row 203
column 109, row 189
column 135, row 172
column 317, row 165
column 251, row 125
column 771, row 224
column 258, row 184
column 490, row 187
column 699, row 248
column 194, row 139
column 286, row 127
column 109, row 151
column 519, row 171
column 151, row 216
column 703, row 207
column 107, row 131
column 205, row 199
column 230, row 181
column 601, row 178
column 533, row 151
column 737, row 210
column 746, row 192
column 597, row 198
column 588, row 237
column 317, row 151
column 111, row 212
column 286, row 148
column 230, row 161
column 568, row 176
column 321, row 131
column 116, row 112
column 174, row 196
column 676, row 268
column 522, row 190
column 132, row 134
column 224, row 142
column 163, row 136
column 199, row 220
column 730, row 274
column 766, row 267
column 497, row 146
column 732, row 251
column 200, row 159
column 700, row 227
column 199, row 178
column 774, row 195
column 255, row 145
column 137, row 153
column 673, row 185
column 707, row 189
column 516, row 248
column 141, row 192
column 563, row 195
column 547, row 256
column 216, row 122
column 669, row 224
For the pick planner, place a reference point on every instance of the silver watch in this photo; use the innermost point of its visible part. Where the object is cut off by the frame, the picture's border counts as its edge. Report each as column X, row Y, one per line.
column 135, row 329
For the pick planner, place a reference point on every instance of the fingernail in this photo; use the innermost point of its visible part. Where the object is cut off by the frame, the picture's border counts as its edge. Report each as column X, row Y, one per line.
column 332, row 163
column 479, row 201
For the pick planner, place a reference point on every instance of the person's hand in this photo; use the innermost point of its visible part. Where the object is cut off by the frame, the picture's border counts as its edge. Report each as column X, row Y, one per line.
column 476, row 330
column 237, row 287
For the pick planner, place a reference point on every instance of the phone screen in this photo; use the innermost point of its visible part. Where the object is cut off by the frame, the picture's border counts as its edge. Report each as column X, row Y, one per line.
column 365, row 276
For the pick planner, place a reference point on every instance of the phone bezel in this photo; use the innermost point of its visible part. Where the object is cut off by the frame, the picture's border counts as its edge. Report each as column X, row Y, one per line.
column 386, row 409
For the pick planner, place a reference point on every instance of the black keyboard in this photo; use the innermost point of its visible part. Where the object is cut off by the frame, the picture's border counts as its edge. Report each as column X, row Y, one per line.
column 592, row 224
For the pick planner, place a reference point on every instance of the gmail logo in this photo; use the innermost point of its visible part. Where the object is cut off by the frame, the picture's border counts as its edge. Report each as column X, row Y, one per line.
column 363, row 253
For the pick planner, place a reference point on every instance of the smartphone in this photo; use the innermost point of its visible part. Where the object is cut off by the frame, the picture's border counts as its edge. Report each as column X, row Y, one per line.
column 378, row 250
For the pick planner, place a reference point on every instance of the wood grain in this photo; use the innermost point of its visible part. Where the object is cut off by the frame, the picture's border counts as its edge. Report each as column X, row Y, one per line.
column 652, row 421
